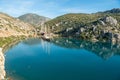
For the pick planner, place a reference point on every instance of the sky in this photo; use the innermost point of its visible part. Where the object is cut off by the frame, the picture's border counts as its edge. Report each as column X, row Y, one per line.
column 54, row 8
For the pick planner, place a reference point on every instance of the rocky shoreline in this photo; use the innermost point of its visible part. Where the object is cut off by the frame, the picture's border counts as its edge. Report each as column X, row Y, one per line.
column 2, row 67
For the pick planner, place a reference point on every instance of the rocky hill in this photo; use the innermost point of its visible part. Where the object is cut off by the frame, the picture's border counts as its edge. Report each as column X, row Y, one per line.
column 10, row 26
column 115, row 10
column 104, row 26
column 34, row 19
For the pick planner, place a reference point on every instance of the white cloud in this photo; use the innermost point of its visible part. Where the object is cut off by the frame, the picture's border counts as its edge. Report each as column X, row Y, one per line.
column 18, row 7
column 53, row 8
column 77, row 10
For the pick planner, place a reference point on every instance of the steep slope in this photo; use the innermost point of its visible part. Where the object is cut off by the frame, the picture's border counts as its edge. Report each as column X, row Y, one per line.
column 10, row 26
column 98, row 26
column 61, row 23
column 34, row 19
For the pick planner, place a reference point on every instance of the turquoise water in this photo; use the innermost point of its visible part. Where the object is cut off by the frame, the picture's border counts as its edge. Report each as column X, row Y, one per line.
column 63, row 59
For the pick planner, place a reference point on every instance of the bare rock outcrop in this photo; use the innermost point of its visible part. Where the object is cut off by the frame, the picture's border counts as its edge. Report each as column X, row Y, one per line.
column 2, row 70
column 110, row 20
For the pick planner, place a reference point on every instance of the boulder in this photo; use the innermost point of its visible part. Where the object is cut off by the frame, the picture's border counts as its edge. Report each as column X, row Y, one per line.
column 110, row 20
column 82, row 30
column 117, row 36
column 69, row 29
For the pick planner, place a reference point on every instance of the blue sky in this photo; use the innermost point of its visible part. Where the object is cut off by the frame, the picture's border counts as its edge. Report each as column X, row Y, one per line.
column 53, row 8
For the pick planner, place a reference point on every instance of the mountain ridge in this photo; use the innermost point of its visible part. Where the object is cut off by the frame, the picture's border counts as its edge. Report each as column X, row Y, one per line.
column 10, row 26
column 33, row 19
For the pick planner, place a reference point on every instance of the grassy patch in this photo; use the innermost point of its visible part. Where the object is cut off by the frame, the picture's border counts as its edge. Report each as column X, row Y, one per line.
column 7, row 40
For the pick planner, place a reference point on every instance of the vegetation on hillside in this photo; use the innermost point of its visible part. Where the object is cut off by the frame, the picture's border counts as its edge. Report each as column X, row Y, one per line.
column 10, row 26
column 87, row 26
column 33, row 19
column 5, row 41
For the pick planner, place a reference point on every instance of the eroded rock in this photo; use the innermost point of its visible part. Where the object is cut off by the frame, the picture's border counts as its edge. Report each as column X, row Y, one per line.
column 2, row 70
column 111, row 20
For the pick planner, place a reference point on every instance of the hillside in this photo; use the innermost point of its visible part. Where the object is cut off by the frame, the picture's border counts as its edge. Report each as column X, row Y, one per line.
column 102, row 26
column 10, row 26
column 11, row 30
column 115, row 10
column 34, row 19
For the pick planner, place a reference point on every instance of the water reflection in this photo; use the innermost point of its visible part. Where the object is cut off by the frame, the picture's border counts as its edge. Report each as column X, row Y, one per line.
column 68, row 59
column 44, row 44
column 10, row 45
column 102, row 49
column 32, row 41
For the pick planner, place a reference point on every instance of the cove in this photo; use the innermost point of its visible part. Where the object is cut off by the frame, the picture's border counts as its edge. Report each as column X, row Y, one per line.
column 63, row 59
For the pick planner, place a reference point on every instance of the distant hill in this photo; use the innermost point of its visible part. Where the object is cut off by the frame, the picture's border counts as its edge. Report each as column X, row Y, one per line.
column 115, row 10
column 10, row 26
column 33, row 19
column 103, row 26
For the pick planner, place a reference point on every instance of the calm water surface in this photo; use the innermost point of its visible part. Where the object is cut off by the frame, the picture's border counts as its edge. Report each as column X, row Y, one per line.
column 63, row 59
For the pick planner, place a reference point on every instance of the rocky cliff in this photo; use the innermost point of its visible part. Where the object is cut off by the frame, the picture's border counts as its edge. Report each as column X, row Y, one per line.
column 104, row 29
column 2, row 61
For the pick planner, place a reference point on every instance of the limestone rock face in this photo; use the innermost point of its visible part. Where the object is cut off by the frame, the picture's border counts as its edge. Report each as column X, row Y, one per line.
column 111, row 21
column 2, row 70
